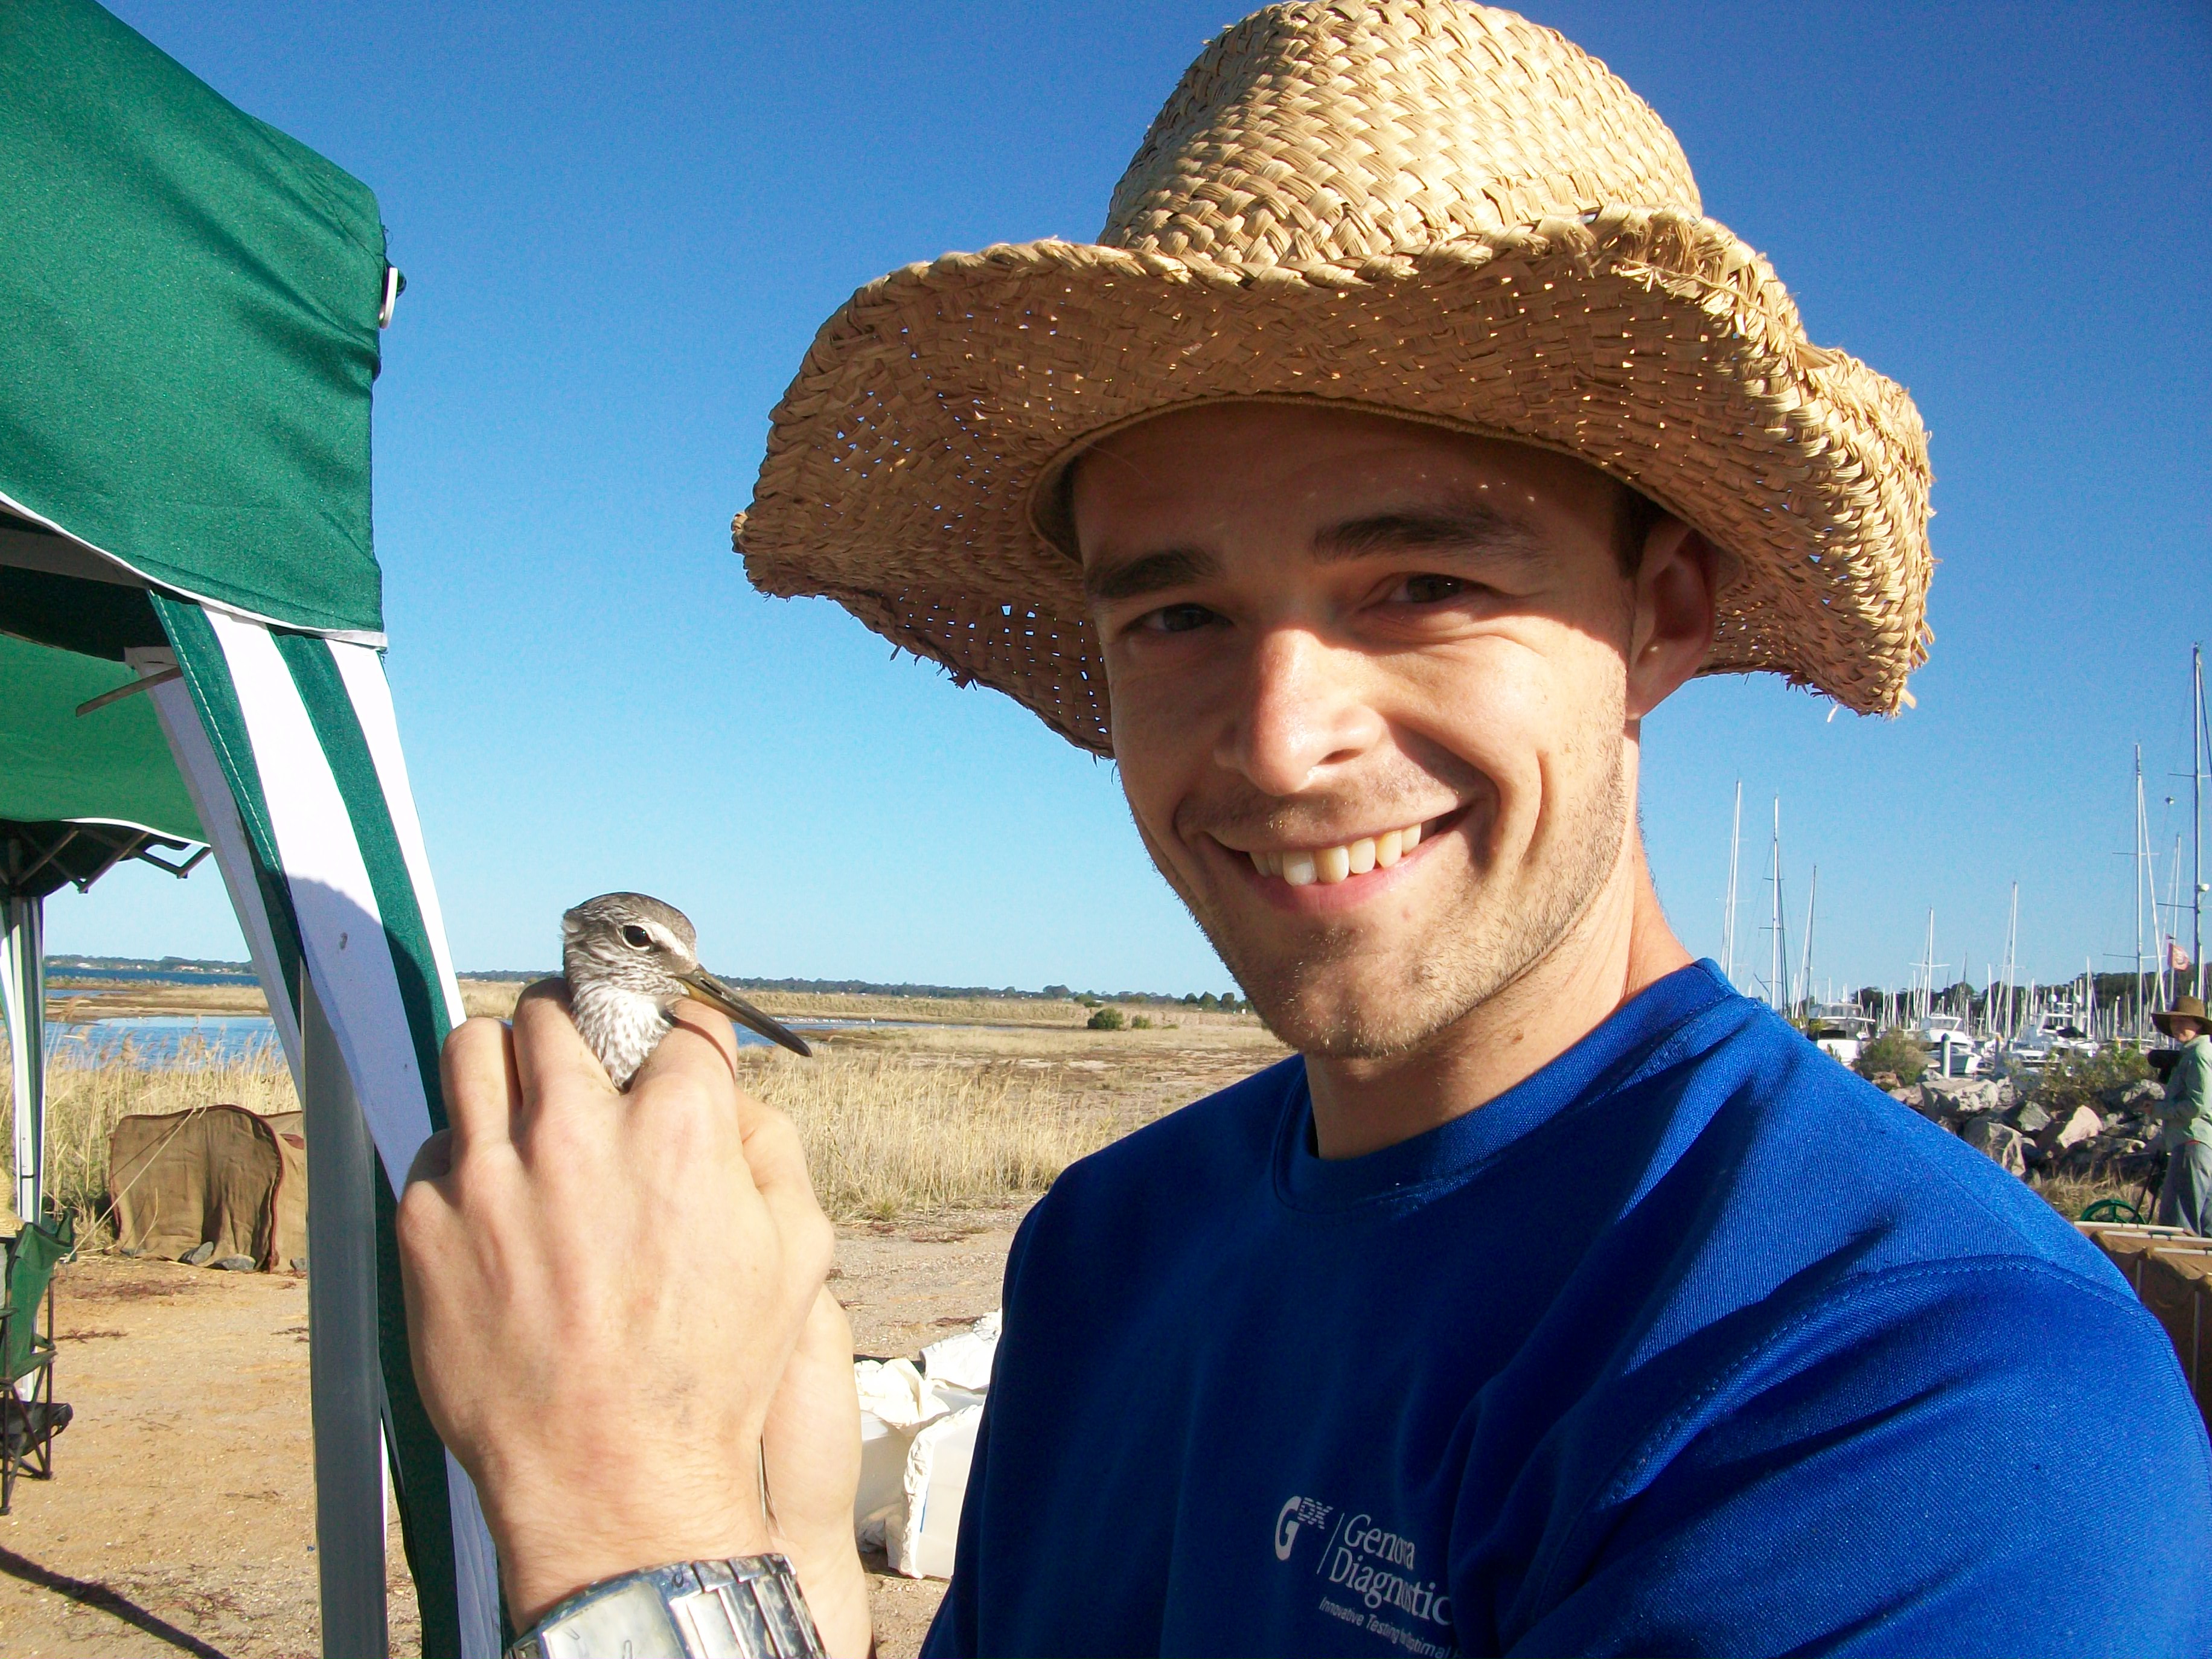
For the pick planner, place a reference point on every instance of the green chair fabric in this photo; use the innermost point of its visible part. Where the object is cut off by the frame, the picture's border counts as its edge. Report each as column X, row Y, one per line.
column 33, row 1255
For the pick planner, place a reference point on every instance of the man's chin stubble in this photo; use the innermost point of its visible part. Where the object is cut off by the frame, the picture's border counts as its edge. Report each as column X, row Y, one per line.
column 1438, row 981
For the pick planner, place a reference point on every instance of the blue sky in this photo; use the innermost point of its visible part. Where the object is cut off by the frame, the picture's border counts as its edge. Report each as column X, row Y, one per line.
column 622, row 224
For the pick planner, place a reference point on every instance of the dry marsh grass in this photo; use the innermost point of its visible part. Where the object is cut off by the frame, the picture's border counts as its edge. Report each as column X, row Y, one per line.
column 86, row 1098
column 887, row 1135
column 895, row 1122
column 67, row 1004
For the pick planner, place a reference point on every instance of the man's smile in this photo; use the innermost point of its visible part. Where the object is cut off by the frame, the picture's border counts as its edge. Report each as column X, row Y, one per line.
column 1304, row 877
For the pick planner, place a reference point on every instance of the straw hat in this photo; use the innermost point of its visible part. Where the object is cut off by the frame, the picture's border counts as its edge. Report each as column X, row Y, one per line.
column 1422, row 207
column 2184, row 1008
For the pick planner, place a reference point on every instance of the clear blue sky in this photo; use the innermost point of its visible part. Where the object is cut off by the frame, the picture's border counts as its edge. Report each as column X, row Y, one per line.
column 620, row 224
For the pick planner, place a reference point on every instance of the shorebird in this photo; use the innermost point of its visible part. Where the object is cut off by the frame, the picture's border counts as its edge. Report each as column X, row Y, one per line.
column 630, row 959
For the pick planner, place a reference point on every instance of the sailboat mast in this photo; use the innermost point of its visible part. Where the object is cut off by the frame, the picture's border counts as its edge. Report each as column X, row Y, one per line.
column 2197, row 735
column 1728, row 921
column 2142, row 851
column 1778, row 962
column 2012, row 943
column 1805, row 968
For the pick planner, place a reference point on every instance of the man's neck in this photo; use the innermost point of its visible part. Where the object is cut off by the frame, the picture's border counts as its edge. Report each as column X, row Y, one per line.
column 1620, row 945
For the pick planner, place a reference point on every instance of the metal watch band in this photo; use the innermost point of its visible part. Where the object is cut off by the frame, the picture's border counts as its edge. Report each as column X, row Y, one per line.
column 749, row 1608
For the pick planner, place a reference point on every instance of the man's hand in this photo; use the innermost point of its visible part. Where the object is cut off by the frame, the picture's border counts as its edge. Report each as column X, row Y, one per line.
column 608, row 1295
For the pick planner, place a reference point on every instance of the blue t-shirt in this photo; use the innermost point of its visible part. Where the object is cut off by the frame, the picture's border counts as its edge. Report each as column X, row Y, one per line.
column 1693, row 1342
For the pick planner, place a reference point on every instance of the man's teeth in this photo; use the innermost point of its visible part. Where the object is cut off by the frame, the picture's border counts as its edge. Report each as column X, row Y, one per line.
column 1330, row 865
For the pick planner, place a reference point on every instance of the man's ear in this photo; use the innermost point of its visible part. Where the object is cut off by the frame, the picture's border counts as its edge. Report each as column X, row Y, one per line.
column 1674, row 626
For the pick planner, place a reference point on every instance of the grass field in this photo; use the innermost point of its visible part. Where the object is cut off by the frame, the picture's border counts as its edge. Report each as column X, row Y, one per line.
column 897, row 1120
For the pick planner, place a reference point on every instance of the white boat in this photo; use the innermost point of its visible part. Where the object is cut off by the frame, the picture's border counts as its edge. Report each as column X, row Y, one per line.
column 1841, row 1029
column 2053, row 1031
column 1952, row 1050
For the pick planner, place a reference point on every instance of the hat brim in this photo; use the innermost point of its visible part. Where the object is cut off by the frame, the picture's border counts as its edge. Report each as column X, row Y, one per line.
column 2164, row 1018
column 908, row 467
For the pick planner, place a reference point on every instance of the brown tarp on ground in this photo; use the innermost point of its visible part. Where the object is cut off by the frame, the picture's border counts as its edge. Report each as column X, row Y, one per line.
column 217, row 1174
column 2171, row 1272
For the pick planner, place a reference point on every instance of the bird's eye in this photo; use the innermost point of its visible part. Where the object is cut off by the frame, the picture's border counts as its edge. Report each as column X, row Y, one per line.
column 636, row 937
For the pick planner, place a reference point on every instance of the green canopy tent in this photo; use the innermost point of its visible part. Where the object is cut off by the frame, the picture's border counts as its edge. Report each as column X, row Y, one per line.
column 75, row 800
column 190, row 304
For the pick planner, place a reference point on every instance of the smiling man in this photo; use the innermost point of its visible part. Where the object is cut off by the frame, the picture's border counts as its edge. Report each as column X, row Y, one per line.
column 1406, row 440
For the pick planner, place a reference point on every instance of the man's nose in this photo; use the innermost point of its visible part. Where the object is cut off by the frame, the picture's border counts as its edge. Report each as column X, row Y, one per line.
column 1301, row 710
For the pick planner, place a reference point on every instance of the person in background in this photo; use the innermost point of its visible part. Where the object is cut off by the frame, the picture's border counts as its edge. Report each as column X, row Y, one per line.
column 2184, row 1198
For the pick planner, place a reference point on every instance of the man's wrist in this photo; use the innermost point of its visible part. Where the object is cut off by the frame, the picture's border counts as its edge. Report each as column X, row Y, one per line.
column 541, row 1567
column 837, row 1585
column 752, row 1607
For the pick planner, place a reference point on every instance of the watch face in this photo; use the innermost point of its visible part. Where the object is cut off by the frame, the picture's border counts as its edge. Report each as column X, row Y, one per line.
column 628, row 1623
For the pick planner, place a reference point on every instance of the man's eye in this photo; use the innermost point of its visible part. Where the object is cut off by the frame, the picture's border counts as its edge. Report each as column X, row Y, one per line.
column 1174, row 619
column 1430, row 590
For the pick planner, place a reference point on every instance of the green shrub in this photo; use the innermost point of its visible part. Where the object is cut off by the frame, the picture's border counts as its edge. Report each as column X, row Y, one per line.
column 1106, row 1019
column 1896, row 1051
column 2072, row 1080
column 1142, row 1023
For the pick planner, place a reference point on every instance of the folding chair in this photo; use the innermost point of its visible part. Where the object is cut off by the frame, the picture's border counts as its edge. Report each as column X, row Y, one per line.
column 29, row 1417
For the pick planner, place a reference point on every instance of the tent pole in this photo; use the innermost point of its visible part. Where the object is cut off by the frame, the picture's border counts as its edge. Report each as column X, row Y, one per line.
column 342, row 1345
column 23, row 978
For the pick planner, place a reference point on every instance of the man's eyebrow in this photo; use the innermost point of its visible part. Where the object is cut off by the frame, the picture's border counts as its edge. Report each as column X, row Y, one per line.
column 1148, row 572
column 1468, row 527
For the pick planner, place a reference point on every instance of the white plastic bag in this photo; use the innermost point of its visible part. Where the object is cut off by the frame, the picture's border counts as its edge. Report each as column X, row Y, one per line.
column 917, row 1438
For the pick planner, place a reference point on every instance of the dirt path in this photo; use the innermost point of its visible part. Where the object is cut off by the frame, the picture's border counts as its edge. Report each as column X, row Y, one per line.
column 181, row 1517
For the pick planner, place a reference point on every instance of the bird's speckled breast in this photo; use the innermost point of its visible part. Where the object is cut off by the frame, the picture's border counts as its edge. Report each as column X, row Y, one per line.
column 621, row 1027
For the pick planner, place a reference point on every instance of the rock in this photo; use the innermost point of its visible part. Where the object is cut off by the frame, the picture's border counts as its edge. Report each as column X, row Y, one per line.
column 1964, row 1094
column 2084, row 1125
column 198, row 1253
column 2137, row 1096
column 1889, row 1082
column 299, row 1264
column 2032, row 1119
column 2004, row 1145
column 239, row 1264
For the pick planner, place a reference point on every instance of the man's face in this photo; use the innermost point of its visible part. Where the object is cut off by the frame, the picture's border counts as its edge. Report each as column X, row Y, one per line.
column 1370, row 701
column 2185, row 1030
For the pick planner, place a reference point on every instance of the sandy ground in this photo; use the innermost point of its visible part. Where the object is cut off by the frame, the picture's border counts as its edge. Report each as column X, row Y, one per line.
column 181, row 1516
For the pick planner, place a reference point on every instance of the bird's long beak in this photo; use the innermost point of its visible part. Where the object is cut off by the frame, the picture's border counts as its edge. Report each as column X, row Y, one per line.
column 708, row 989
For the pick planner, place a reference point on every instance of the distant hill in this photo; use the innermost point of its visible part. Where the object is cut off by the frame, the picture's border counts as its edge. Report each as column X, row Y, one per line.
column 179, row 966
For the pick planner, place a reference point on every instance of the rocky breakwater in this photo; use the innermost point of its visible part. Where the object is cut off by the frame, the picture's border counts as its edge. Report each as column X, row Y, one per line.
column 2112, row 1135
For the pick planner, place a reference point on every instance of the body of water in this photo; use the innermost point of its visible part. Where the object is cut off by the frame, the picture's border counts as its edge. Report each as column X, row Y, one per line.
column 154, row 1040
column 157, row 1040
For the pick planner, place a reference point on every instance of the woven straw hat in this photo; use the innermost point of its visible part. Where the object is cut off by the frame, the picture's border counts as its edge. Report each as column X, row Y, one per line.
column 1421, row 208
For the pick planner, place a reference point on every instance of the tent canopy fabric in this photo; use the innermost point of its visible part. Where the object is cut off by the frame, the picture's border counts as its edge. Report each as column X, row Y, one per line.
column 190, row 304
column 113, row 764
column 192, row 300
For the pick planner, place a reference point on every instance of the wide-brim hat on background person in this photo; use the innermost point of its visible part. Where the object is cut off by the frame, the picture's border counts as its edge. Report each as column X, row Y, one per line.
column 1420, row 208
column 2183, row 1008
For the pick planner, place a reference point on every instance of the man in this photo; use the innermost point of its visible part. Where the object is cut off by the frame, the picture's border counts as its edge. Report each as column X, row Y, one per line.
column 1406, row 441
column 2185, row 1199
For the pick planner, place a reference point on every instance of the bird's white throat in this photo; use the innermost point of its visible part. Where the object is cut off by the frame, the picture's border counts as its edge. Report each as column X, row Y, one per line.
column 621, row 1026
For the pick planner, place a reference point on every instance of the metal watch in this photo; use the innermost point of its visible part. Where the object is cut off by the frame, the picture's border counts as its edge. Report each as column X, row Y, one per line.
column 749, row 1608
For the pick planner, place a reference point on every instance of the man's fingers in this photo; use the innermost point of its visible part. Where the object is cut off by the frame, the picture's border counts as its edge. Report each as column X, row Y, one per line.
column 694, row 1066
column 434, row 1158
column 552, row 1063
column 477, row 1069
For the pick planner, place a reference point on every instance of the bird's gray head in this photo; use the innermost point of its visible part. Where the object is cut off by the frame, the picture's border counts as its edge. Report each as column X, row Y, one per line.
column 633, row 942
column 623, row 946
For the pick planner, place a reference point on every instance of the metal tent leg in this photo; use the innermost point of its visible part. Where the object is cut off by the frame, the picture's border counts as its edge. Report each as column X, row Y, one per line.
column 348, row 1388
column 24, row 981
